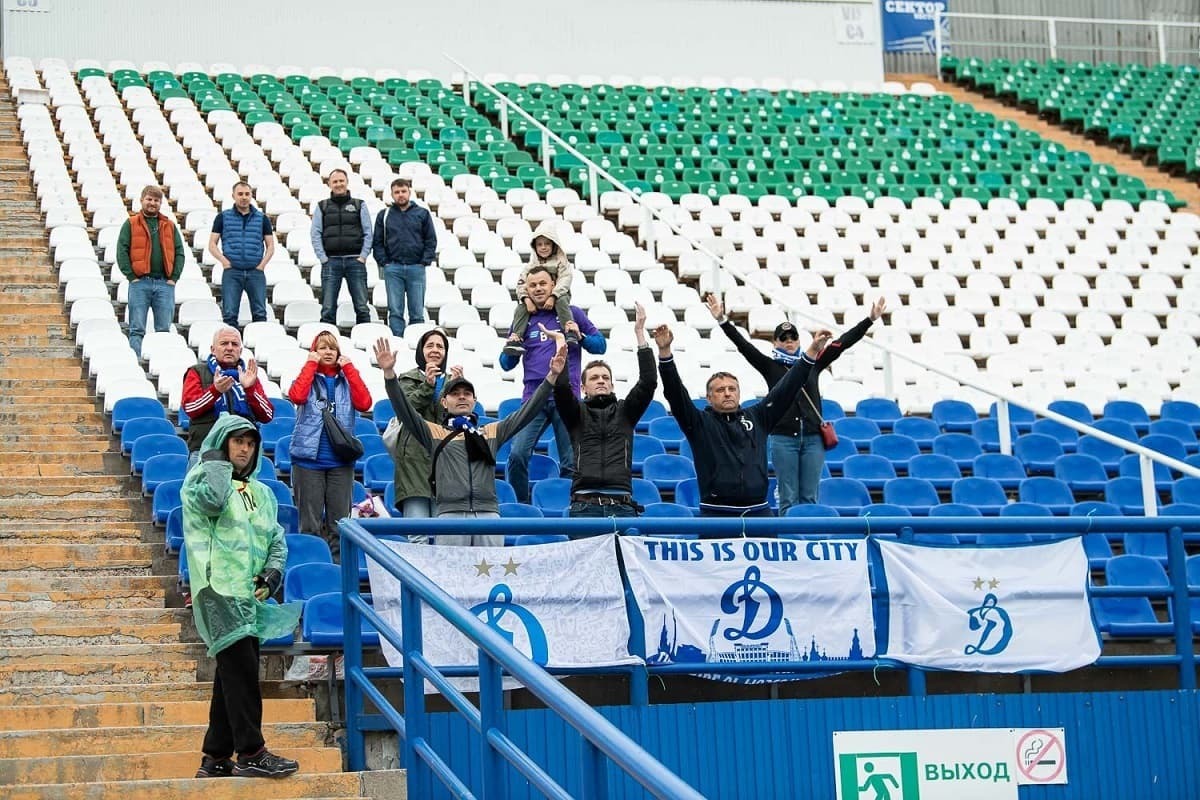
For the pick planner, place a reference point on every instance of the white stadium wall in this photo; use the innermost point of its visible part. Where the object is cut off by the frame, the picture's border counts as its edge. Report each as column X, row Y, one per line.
column 636, row 38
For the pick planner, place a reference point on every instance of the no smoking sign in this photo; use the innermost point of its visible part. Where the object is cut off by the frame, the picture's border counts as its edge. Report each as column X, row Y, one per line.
column 1041, row 757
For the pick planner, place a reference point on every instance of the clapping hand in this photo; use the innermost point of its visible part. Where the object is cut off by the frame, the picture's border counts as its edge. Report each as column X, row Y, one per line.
column 432, row 371
column 222, row 382
column 456, row 372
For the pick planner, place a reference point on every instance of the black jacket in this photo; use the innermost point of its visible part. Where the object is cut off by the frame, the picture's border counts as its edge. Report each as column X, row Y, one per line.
column 731, row 449
column 404, row 237
column 602, row 429
column 773, row 372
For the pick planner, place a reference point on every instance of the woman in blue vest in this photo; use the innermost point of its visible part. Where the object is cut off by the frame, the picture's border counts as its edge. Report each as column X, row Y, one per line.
column 322, row 483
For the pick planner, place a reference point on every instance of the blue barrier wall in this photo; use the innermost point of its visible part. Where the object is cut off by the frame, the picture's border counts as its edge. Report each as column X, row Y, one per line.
column 1120, row 746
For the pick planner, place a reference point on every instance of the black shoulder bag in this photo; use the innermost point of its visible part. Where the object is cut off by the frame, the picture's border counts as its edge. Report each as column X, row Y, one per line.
column 345, row 445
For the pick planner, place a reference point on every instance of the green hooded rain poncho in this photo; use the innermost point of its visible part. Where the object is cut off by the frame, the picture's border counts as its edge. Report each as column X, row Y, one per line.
column 231, row 534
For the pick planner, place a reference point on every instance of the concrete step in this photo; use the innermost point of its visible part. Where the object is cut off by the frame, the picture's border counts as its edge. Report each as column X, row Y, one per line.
column 108, row 653
column 77, row 693
column 13, row 675
column 66, row 448
column 26, row 465
column 145, row 739
column 132, row 715
column 67, row 602
column 141, row 766
column 116, row 509
column 75, row 487
column 99, row 585
column 45, row 620
column 300, row 785
column 81, row 557
column 68, row 635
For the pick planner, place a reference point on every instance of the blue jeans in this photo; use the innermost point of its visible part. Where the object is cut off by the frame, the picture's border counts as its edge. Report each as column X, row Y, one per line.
column 147, row 294
column 595, row 510
column 355, row 273
column 253, row 282
column 401, row 280
column 798, row 462
column 517, row 471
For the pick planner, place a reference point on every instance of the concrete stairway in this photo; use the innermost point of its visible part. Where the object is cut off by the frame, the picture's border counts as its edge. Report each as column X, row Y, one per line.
column 99, row 689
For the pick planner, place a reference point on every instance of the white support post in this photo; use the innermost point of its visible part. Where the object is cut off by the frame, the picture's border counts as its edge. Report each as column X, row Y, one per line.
column 937, row 42
column 547, row 151
column 648, row 231
column 888, row 375
column 1162, row 43
column 504, row 119
column 1149, row 494
column 594, row 187
column 1004, row 427
column 467, row 89
column 1052, row 38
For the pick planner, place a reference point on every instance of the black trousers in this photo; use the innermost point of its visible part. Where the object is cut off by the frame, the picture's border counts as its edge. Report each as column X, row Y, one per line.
column 235, row 714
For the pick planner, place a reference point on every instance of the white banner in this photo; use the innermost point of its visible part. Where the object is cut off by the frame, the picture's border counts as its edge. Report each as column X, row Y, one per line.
column 560, row 604
column 990, row 609
column 761, row 601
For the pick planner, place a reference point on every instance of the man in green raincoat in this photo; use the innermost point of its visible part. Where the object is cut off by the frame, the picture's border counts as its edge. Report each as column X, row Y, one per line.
column 236, row 552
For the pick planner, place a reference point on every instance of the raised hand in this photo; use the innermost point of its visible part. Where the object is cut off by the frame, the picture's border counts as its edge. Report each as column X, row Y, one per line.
column 559, row 362
column 819, row 341
column 639, row 317
column 559, row 338
column 878, row 309
column 663, row 338
column 715, row 306
column 384, row 356
column 248, row 376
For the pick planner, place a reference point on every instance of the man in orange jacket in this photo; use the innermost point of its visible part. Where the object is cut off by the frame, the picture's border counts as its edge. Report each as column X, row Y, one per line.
column 150, row 254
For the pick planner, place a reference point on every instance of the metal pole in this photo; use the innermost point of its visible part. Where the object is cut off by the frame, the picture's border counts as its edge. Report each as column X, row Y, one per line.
column 491, row 718
column 466, row 89
column 352, row 649
column 1052, row 37
column 937, row 42
column 1149, row 493
column 889, row 377
column 594, row 187
column 1180, row 602
column 547, row 151
column 595, row 773
column 648, row 233
column 1162, row 43
column 416, row 722
column 504, row 119
column 1004, row 426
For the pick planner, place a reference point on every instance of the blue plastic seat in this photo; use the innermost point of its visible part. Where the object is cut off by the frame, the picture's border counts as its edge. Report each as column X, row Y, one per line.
column 306, row 548
column 1177, row 430
column 323, row 625
column 960, row 447
column 884, row 411
column 857, row 430
column 378, row 472
column 1019, row 417
column 1050, row 493
column 835, row 459
column 1109, row 455
column 283, row 407
column 1180, row 410
column 162, row 468
column 884, row 510
column 1067, row 438
column 1130, row 466
column 1003, row 538
column 508, row 406
column 183, row 572
column 831, row 409
column 505, row 492
column 552, row 496
column 846, row 495
column 984, row 493
column 987, row 433
column 644, row 446
column 666, row 510
column 274, row 430
column 282, row 492
column 1082, row 472
column 653, row 411
column 666, row 430
column 1098, row 550
column 174, row 532
column 310, row 579
column 953, row 416
column 916, row 494
column 1125, row 493
column 1150, row 545
column 872, row 471
column 937, row 539
column 1095, row 508
column 283, row 455
column 687, row 493
column 921, row 430
column 542, row 467
column 1131, row 616
column 128, row 408
column 372, row 446
column 526, row 539
column 1132, row 412
column 1004, row 470
column 938, row 469
column 1038, row 453
column 896, row 448
column 645, row 492
column 665, row 471
column 166, row 499
column 811, row 510
column 155, row 444
column 1193, row 579
column 364, row 427
column 1167, row 445
column 288, row 517
column 1072, row 408
column 1122, row 429
column 1186, row 490
column 382, row 413
column 143, row 426
column 954, row 510
column 520, row 510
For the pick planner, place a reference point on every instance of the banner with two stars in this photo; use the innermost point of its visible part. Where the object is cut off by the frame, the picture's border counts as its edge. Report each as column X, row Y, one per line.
column 560, row 604
column 1014, row 608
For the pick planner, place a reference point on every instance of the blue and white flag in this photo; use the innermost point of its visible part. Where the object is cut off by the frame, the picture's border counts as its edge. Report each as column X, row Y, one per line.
column 561, row 604
column 759, row 601
column 990, row 609
column 908, row 25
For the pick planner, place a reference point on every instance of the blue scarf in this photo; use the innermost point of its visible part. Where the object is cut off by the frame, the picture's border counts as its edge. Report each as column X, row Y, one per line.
column 478, row 448
column 784, row 357
column 240, row 406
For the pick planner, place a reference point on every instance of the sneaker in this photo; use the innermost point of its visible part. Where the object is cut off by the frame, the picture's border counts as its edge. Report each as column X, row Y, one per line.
column 187, row 599
column 513, row 348
column 264, row 765
column 572, row 338
column 215, row 767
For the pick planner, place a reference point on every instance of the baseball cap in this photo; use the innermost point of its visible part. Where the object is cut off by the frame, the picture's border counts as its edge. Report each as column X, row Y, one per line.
column 454, row 383
column 786, row 330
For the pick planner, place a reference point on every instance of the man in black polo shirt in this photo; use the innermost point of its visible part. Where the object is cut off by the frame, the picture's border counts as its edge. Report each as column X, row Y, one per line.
column 341, row 238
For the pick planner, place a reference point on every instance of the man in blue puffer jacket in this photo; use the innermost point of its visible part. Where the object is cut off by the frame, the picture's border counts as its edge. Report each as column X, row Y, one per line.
column 246, row 245
column 404, row 244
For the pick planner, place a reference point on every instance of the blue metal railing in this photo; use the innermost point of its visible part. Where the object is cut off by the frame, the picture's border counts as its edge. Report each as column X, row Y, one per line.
column 600, row 739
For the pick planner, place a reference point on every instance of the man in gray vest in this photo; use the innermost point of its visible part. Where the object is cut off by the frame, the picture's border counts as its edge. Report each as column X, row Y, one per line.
column 341, row 238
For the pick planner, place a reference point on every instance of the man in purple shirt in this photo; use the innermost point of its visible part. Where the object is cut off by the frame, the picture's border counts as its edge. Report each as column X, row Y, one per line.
column 539, row 349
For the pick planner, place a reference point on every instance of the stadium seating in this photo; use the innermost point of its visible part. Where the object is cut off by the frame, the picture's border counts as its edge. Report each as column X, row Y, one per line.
column 1131, row 616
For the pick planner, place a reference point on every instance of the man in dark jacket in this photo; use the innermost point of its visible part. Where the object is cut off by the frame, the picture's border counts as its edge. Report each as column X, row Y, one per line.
column 341, row 238
column 729, row 442
column 602, row 430
column 796, row 447
column 405, row 243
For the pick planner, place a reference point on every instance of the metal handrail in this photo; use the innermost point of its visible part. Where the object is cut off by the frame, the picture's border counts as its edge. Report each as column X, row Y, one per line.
column 600, row 736
column 1147, row 456
column 1036, row 18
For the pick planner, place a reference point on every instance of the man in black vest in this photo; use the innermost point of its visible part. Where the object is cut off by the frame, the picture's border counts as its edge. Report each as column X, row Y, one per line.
column 341, row 238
